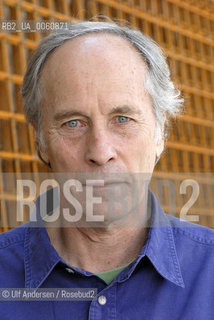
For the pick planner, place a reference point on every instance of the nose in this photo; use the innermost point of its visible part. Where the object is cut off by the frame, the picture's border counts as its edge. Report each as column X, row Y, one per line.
column 100, row 148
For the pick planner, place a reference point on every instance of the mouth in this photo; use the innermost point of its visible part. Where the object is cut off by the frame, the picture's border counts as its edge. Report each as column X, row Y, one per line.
column 102, row 183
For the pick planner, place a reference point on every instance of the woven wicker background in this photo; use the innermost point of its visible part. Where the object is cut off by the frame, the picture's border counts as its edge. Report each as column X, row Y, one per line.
column 185, row 30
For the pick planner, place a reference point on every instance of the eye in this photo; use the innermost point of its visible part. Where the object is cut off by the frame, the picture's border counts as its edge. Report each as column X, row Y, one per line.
column 72, row 123
column 122, row 119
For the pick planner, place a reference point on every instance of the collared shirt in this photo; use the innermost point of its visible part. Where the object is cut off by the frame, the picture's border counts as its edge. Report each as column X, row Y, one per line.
column 172, row 277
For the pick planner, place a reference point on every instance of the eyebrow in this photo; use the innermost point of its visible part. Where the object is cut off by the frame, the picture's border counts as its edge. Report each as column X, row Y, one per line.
column 69, row 113
column 125, row 109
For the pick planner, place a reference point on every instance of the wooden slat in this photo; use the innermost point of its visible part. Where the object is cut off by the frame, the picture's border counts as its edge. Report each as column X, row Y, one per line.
column 185, row 30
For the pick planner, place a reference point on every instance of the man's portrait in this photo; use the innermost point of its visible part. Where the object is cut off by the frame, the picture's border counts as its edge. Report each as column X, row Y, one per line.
column 100, row 242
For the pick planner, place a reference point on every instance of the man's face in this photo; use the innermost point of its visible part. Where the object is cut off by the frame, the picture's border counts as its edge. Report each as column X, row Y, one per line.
column 97, row 117
column 98, row 121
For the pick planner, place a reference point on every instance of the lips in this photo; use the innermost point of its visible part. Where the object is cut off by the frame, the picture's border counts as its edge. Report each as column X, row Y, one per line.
column 102, row 183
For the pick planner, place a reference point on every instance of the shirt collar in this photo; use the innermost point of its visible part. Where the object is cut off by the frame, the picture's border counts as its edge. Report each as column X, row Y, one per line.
column 160, row 247
column 41, row 257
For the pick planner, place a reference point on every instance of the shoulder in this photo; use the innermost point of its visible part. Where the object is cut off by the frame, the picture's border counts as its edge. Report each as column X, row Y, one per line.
column 192, row 232
column 13, row 237
column 194, row 246
column 12, row 248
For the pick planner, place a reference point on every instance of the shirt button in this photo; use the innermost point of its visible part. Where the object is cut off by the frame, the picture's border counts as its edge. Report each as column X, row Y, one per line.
column 69, row 270
column 102, row 300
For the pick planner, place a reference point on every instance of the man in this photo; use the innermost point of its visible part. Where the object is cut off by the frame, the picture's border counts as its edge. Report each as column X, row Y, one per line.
column 99, row 96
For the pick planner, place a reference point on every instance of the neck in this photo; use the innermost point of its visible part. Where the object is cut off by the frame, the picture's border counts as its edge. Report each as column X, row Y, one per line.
column 97, row 250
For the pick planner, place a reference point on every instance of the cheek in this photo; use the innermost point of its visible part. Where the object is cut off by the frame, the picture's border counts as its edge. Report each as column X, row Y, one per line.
column 146, row 152
column 64, row 154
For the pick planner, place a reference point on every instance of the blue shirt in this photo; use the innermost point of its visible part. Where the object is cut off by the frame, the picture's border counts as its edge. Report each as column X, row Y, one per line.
column 172, row 278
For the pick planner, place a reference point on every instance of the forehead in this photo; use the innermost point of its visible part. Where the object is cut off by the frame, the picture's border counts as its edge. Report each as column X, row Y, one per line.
column 98, row 50
column 106, row 63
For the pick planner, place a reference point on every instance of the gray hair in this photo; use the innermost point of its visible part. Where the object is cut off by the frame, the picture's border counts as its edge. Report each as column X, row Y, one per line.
column 166, row 98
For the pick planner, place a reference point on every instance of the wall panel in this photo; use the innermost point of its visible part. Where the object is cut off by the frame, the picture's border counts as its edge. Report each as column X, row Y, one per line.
column 185, row 30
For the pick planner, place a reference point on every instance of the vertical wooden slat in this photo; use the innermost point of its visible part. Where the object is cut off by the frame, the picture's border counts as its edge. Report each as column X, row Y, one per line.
column 183, row 28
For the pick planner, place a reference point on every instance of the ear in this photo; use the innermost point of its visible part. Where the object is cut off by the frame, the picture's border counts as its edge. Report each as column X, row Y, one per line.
column 159, row 147
column 41, row 148
column 161, row 139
